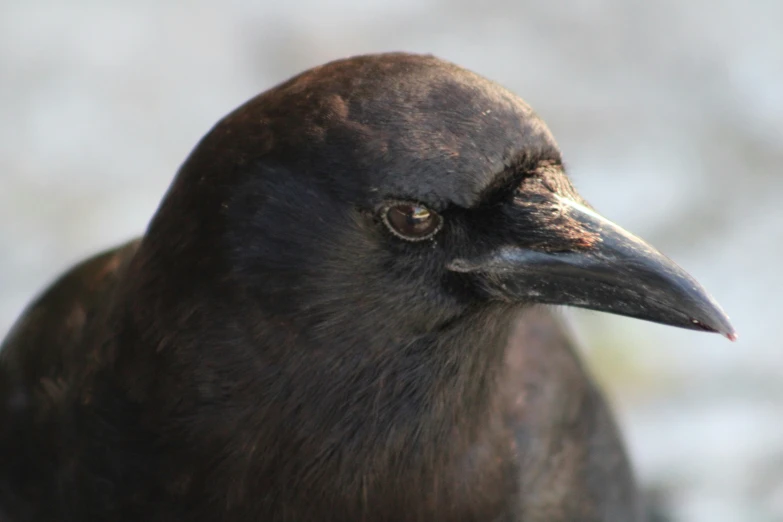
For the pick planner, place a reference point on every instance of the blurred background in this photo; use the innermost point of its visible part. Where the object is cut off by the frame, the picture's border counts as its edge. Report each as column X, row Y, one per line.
column 669, row 113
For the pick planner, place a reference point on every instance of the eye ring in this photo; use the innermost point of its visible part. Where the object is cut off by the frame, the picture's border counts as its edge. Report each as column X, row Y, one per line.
column 411, row 221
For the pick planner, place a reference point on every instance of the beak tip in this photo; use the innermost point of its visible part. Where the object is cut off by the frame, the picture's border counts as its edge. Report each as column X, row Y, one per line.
column 723, row 327
column 727, row 330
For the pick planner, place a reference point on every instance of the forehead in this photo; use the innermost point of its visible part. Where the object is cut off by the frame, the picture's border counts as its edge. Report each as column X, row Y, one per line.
column 403, row 126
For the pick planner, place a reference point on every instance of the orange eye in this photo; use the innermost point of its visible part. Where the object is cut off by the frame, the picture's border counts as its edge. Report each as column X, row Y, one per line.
column 412, row 221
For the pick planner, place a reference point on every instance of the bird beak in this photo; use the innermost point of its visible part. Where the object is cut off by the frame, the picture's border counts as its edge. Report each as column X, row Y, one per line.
column 608, row 269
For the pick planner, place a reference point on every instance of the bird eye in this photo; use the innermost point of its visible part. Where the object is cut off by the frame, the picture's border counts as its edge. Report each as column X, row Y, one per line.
column 411, row 221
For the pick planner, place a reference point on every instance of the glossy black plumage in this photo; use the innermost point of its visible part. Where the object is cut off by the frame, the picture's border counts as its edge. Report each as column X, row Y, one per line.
column 270, row 351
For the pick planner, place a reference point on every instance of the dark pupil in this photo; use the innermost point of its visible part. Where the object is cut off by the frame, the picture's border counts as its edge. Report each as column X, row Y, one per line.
column 411, row 220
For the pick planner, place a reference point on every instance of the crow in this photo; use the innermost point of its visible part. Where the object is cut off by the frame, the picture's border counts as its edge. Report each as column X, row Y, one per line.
column 335, row 315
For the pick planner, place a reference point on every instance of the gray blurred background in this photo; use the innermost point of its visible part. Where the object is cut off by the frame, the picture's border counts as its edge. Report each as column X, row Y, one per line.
column 669, row 113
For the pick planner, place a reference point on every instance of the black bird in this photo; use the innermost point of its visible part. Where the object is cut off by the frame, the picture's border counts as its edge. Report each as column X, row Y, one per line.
column 331, row 318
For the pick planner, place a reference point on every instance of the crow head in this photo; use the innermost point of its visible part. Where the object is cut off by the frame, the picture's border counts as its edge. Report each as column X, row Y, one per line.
column 409, row 191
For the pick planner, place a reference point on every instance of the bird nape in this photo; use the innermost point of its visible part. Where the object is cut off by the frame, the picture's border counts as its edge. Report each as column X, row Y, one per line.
column 333, row 317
